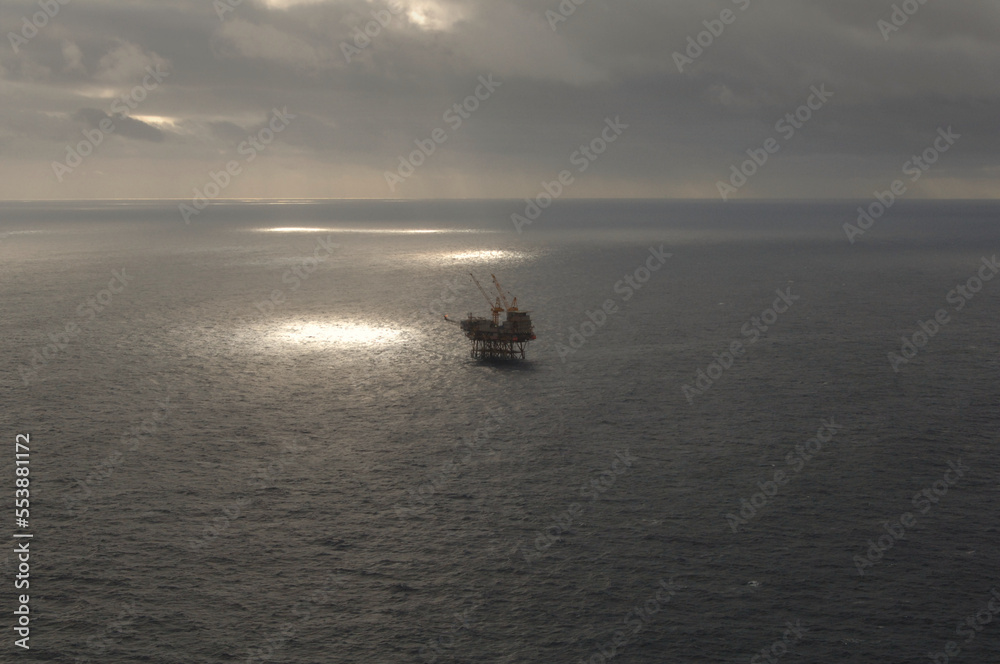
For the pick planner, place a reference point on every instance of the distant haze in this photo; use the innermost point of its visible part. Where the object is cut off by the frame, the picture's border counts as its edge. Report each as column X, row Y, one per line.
column 184, row 83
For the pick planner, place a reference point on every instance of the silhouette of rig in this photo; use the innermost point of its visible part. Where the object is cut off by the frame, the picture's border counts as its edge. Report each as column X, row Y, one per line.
column 491, row 339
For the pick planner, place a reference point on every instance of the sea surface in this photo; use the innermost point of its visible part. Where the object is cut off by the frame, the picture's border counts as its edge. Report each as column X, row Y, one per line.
column 255, row 438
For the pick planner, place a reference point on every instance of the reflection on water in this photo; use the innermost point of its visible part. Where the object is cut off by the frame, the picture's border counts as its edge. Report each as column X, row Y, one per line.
column 386, row 231
column 292, row 229
column 491, row 257
column 488, row 255
column 338, row 333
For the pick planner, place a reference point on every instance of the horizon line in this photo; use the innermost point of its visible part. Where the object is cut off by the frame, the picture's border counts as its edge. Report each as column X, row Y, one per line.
column 282, row 200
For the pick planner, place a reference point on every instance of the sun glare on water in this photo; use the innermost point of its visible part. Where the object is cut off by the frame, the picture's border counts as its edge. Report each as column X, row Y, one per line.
column 295, row 229
column 376, row 231
column 339, row 333
column 485, row 255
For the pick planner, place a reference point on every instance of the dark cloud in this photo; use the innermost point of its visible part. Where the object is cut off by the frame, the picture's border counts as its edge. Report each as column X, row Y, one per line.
column 355, row 118
column 227, row 131
column 123, row 125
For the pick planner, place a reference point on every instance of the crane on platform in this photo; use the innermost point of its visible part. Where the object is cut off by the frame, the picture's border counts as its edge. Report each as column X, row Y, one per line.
column 508, row 307
column 492, row 340
column 495, row 307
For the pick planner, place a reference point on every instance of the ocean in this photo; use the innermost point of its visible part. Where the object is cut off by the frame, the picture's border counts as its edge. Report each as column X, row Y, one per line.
column 743, row 434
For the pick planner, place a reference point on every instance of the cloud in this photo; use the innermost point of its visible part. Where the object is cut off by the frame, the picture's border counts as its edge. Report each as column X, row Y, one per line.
column 73, row 56
column 514, row 42
column 126, row 63
column 124, row 126
column 606, row 59
column 239, row 38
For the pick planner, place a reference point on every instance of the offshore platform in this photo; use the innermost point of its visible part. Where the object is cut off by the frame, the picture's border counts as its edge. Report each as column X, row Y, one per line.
column 491, row 339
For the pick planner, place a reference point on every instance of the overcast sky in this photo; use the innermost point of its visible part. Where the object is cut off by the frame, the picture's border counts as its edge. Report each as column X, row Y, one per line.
column 358, row 110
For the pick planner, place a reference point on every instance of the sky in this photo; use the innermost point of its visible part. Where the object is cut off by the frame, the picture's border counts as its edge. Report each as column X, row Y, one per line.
column 111, row 99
